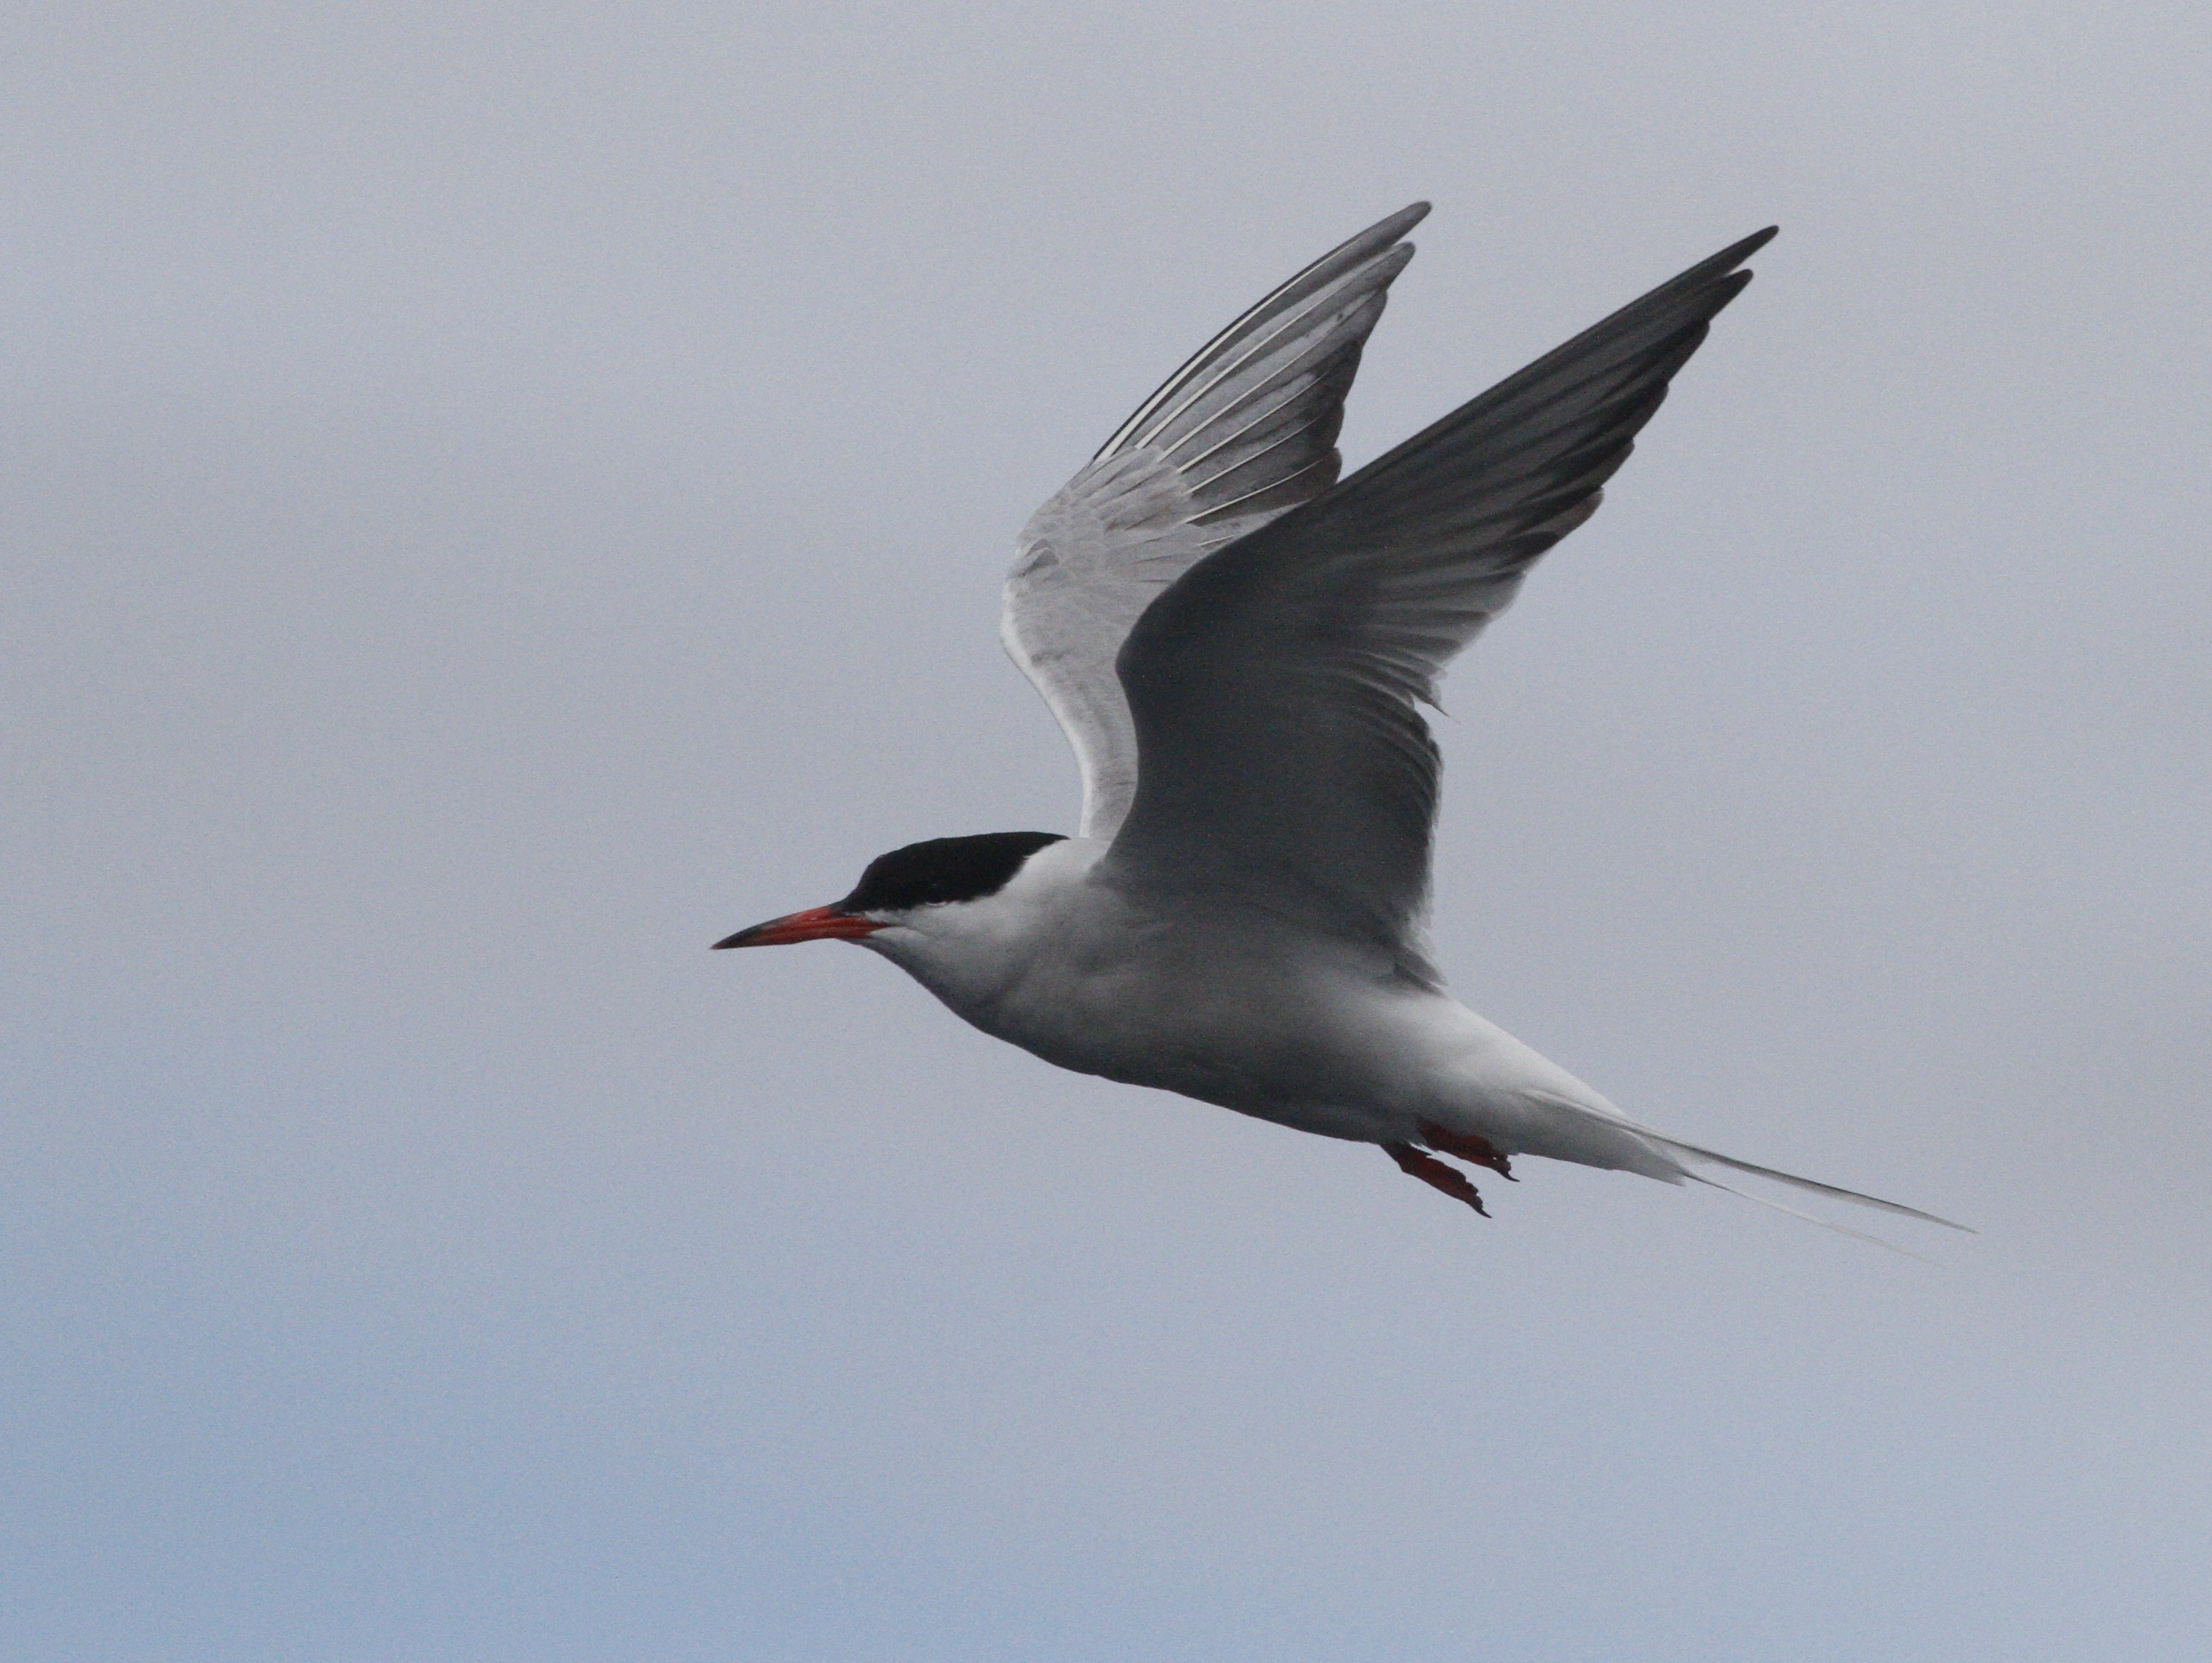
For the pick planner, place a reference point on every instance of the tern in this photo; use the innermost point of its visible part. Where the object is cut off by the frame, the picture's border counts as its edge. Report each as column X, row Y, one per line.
column 1237, row 643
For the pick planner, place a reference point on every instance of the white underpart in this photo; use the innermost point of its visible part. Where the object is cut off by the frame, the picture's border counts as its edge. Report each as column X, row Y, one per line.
column 1298, row 1033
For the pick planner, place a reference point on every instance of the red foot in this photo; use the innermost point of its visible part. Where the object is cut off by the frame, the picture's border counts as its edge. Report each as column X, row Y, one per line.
column 1468, row 1146
column 1429, row 1170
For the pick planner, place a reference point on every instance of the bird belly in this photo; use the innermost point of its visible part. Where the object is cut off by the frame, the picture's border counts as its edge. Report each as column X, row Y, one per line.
column 1242, row 1031
column 1340, row 1057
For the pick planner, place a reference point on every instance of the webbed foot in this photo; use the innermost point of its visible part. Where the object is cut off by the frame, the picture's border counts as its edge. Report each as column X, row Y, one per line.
column 1429, row 1170
column 1468, row 1146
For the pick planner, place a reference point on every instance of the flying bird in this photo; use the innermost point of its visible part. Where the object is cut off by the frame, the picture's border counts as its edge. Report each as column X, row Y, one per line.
column 1237, row 644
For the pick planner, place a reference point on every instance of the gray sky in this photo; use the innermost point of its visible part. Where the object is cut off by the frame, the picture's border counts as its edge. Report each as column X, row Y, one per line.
column 499, row 497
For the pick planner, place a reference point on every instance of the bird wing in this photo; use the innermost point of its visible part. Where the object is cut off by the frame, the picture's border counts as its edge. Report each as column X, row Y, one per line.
column 1242, row 433
column 1285, row 770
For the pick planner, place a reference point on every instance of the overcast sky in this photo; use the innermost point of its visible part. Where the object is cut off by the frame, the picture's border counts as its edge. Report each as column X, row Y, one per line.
column 498, row 497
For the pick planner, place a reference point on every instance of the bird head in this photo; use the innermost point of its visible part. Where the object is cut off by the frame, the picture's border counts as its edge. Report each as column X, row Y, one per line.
column 907, row 888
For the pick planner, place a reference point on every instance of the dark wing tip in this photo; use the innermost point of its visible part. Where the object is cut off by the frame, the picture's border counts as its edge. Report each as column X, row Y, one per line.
column 1379, row 243
column 1401, row 221
column 1364, row 246
column 1735, row 253
column 1721, row 265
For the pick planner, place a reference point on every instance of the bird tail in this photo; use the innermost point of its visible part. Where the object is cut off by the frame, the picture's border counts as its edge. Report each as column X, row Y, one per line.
column 1676, row 1146
column 1571, row 1122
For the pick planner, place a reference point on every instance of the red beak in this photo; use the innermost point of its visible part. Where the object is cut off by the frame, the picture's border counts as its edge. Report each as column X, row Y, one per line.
column 815, row 923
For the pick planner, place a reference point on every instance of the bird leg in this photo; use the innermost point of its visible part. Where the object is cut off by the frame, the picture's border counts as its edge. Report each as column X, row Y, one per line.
column 1429, row 1170
column 1468, row 1146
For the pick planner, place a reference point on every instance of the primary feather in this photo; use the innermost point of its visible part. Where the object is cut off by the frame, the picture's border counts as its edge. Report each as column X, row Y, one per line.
column 1245, row 431
column 1303, row 650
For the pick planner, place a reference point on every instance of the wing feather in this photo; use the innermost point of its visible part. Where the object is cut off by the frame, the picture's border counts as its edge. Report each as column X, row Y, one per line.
column 1274, row 686
column 1243, row 432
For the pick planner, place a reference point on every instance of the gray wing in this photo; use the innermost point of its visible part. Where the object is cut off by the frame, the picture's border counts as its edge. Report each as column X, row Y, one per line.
column 1285, row 769
column 1242, row 433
